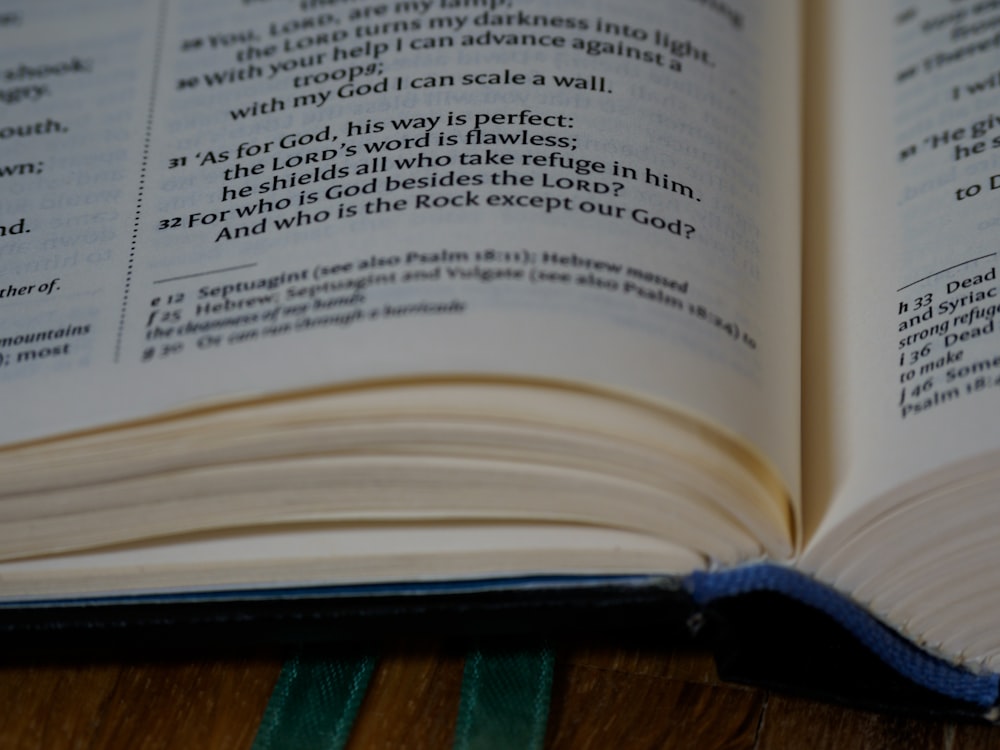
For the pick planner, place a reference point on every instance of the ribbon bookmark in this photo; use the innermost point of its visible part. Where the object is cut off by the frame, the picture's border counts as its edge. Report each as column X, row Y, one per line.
column 314, row 703
column 505, row 700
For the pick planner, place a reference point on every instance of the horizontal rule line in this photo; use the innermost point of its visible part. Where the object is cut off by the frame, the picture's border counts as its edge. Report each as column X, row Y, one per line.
column 205, row 273
column 945, row 270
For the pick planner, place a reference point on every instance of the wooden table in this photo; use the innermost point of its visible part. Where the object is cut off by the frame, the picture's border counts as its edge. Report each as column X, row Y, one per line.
column 603, row 696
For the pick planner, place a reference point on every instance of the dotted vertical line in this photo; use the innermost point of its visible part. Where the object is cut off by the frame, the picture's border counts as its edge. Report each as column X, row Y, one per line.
column 161, row 24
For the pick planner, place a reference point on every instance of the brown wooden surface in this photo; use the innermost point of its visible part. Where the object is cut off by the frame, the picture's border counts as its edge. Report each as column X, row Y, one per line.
column 603, row 697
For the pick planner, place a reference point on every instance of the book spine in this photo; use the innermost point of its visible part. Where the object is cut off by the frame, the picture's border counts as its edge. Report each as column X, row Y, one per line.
column 902, row 655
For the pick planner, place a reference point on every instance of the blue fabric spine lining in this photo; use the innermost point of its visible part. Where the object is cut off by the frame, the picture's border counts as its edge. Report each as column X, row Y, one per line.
column 903, row 656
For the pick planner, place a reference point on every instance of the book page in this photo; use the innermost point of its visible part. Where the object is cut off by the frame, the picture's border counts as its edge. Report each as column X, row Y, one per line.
column 204, row 202
column 903, row 351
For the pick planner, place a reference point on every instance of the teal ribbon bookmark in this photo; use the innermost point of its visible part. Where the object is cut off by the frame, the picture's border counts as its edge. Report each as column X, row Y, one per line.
column 314, row 703
column 505, row 700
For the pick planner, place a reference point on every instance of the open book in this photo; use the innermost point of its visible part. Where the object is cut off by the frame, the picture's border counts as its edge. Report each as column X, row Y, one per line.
column 326, row 293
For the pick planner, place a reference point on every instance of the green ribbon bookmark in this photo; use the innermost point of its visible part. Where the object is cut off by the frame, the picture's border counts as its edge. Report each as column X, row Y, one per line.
column 505, row 700
column 314, row 703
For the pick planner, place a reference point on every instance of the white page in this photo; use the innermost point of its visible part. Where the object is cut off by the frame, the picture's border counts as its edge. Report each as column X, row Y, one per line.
column 369, row 248
column 911, row 351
